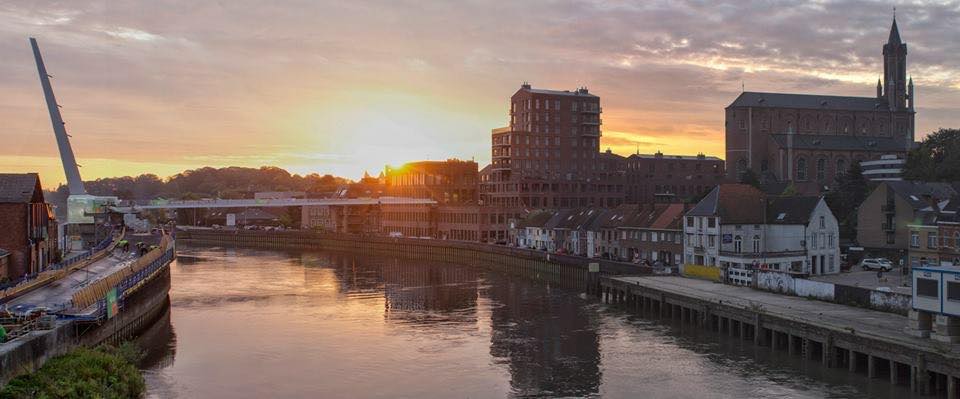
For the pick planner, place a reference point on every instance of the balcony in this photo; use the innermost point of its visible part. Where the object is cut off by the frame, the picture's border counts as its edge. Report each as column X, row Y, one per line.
column 591, row 110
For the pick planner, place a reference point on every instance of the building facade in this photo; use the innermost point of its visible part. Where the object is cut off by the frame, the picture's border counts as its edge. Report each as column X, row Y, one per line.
column 884, row 217
column 809, row 140
column 448, row 182
column 670, row 178
column 740, row 230
column 548, row 157
column 28, row 226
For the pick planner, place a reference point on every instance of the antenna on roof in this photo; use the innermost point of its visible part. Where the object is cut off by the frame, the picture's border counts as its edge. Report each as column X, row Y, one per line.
column 743, row 87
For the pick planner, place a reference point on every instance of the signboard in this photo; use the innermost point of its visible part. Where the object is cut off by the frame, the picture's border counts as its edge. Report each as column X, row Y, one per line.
column 728, row 238
column 231, row 219
column 112, row 307
column 593, row 268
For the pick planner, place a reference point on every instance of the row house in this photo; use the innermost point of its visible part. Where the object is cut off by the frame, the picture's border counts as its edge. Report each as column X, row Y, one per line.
column 740, row 229
column 653, row 235
column 29, row 242
column 885, row 217
column 935, row 235
column 647, row 234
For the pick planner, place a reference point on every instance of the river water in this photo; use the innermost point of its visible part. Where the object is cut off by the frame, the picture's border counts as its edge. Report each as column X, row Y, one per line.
column 249, row 323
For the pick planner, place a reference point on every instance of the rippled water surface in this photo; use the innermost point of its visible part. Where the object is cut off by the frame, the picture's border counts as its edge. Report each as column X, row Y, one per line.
column 270, row 324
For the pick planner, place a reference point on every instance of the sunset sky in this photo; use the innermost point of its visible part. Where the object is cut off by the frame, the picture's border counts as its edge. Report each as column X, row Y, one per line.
column 346, row 86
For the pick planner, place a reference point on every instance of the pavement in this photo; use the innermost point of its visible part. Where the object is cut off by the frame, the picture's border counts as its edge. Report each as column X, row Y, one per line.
column 893, row 279
column 57, row 294
column 885, row 326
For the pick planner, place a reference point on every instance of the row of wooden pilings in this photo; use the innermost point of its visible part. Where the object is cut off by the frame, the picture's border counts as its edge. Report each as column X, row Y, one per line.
column 806, row 343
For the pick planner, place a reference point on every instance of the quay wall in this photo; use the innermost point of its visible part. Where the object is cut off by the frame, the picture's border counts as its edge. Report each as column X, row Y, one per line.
column 139, row 310
column 928, row 368
column 566, row 270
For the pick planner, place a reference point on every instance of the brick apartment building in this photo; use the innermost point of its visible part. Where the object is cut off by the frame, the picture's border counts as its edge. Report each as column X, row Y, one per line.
column 28, row 230
column 548, row 157
column 448, row 182
column 811, row 139
column 659, row 178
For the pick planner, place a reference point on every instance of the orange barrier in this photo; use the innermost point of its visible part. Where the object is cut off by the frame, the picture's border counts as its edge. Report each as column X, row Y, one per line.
column 97, row 290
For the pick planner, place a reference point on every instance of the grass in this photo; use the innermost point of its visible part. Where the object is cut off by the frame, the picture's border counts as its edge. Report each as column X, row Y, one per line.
column 104, row 372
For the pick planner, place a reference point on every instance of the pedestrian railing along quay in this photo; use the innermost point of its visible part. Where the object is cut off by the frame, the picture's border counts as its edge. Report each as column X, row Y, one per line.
column 59, row 270
column 125, row 280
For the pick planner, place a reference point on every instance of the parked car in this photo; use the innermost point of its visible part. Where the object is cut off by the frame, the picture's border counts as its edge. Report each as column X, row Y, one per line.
column 876, row 264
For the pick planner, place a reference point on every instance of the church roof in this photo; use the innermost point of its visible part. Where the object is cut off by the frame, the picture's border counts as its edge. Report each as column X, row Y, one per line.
column 808, row 101
column 841, row 143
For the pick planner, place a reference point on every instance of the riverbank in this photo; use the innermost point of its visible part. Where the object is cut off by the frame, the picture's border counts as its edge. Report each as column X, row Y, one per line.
column 569, row 271
column 108, row 372
column 839, row 336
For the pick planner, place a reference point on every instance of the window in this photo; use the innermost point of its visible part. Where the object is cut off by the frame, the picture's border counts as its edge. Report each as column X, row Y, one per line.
column 841, row 167
column 821, row 168
column 953, row 291
column 823, row 223
column 813, row 241
column 914, row 239
column 737, row 244
column 712, row 222
column 928, row 287
column 932, row 240
column 756, row 244
column 711, row 241
column 743, row 123
column 689, row 221
column 802, row 169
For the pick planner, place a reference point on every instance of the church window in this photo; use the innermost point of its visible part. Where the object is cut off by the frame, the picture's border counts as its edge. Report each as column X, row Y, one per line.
column 802, row 169
column 821, row 168
column 764, row 165
column 741, row 165
column 743, row 123
column 841, row 167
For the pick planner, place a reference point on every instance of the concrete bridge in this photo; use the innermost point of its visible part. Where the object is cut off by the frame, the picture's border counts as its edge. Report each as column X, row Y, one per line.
column 128, row 206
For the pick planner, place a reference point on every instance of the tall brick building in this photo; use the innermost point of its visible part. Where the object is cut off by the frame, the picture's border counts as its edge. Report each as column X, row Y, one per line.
column 811, row 139
column 549, row 155
column 28, row 231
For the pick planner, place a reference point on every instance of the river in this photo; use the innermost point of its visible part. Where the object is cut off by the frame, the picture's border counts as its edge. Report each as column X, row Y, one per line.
column 247, row 323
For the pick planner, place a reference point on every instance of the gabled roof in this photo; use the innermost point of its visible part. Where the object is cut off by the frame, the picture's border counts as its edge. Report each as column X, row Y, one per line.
column 670, row 217
column 791, row 210
column 20, row 188
column 808, row 101
column 734, row 203
column 842, row 143
column 537, row 218
column 919, row 194
column 578, row 219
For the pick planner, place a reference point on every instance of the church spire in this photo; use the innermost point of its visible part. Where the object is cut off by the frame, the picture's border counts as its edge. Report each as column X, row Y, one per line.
column 894, row 32
column 879, row 89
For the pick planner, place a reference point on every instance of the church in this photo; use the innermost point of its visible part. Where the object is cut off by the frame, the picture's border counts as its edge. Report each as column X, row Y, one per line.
column 809, row 140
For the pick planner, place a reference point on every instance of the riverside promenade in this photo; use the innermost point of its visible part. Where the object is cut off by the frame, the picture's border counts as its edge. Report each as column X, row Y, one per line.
column 856, row 339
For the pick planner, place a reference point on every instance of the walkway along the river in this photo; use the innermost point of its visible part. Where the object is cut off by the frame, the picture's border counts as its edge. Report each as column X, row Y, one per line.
column 844, row 337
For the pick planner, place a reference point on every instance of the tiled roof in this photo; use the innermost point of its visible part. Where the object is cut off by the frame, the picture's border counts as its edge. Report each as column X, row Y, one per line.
column 734, row 203
column 918, row 194
column 20, row 188
column 537, row 218
column 845, row 143
column 791, row 210
column 809, row 101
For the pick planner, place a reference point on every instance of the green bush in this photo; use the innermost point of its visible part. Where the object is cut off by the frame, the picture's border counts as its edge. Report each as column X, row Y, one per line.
column 105, row 372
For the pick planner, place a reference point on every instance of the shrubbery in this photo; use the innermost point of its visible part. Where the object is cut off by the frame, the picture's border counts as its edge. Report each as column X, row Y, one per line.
column 105, row 372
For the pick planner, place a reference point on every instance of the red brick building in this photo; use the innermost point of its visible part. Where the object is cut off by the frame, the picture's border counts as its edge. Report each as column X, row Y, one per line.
column 654, row 178
column 811, row 139
column 549, row 155
column 28, row 230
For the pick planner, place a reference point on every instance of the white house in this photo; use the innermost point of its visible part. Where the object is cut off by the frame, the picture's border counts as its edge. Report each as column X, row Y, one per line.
column 739, row 229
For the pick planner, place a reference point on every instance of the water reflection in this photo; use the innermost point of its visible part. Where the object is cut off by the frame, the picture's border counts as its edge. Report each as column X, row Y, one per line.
column 315, row 324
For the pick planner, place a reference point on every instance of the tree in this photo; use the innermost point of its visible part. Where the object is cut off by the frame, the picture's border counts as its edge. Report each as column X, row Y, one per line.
column 936, row 159
column 790, row 191
column 845, row 199
column 748, row 177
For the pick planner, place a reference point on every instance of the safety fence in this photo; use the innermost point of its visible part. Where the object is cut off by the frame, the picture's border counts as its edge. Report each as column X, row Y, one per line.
column 127, row 277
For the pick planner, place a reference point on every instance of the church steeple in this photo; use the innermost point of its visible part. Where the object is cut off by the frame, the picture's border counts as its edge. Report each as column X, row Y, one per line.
column 879, row 89
column 895, row 69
